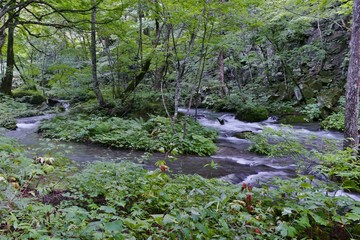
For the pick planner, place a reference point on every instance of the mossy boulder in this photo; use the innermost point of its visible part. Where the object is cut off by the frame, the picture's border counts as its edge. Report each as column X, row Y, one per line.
column 329, row 97
column 252, row 113
column 29, row 96
column 244, row 134
column 9, row 124
column 288, row 119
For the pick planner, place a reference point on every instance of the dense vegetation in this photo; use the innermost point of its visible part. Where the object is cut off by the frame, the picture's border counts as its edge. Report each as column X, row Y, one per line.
column 106, row 200
column 126, row 67
column 156, row 134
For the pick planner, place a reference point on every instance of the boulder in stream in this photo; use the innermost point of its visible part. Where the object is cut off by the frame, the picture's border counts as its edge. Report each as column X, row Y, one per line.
column 244, row 134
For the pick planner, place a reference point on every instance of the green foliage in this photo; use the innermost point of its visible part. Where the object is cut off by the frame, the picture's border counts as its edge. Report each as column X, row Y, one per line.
column 10, row 109
column 272, row 142
column 122, row 200
column 252, row 113
column 312, row 111
column 342, row 166
column 334, row 121
column 144, row 103
column 152, row 135
column 304, row 208
column 29, row 96
column 106, row 200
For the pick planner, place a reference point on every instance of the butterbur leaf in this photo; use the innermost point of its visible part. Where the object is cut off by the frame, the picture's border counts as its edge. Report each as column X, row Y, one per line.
column 286, row 230
column 202, row 228
column 107, row 209
column 287, row 211
column 168, row 219
column 158, row 218
column 306, row 185
column 224, row 224
column 318, row 219
column 115, row 226
column 304, row 221
column 354, row 214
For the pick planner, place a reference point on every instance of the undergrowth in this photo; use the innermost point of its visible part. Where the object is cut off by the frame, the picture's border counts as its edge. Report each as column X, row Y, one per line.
column 155, row 134
column 107, row 200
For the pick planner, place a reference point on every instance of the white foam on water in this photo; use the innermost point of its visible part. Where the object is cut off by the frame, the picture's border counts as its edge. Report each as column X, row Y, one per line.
column 261, row 176
column 27, row 125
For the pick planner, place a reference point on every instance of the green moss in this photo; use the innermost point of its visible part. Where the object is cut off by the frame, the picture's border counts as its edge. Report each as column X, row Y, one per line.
column 29, row 96
column 9, row 124
column 252, row 113
column 293, row 119
column 244, row 134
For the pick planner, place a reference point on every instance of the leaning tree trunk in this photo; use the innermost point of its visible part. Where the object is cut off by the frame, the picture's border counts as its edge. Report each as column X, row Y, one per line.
column 6, row 82
column 95, row 81
column 351, row 135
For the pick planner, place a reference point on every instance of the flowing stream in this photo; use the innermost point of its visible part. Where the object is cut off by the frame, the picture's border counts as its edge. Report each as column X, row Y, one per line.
column 234, row 163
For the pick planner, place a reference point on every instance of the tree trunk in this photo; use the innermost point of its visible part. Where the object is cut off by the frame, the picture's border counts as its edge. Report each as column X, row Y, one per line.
column 351, row 135
column 2, row 40
column 224, row 89
column 95, row 81
column 6, row 82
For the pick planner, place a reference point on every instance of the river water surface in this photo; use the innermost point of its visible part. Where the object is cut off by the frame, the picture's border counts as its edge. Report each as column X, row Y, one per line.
column 234, row 162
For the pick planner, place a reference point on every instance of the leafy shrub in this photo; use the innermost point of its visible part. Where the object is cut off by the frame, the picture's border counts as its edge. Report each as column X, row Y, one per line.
column 334, row 121
column 145, row 103
column 312, row 111
column 281, row 108
column 155, row 134
column 276, row 143
column 341, row 166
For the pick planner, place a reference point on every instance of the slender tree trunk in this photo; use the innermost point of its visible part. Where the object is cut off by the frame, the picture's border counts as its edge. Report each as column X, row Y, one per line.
column 95, row 81
column 224, row 89
column 180, row 67
column 2, row 40
column 6, row 82
column 2, row 33
column 351, row 135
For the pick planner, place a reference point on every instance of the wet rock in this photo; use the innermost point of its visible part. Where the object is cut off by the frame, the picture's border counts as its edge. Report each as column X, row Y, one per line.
column 328, row 98
column 295, row 118
column 244, row 134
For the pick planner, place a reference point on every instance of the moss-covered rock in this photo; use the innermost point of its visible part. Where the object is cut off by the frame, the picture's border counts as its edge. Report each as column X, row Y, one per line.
column 244, row 134
column 295, row 118
column 252, row 113
column 29, row 96
column 329, row 97
column 9, row 124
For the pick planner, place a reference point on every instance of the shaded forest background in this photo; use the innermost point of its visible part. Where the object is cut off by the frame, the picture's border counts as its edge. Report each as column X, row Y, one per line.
column 289, row 56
